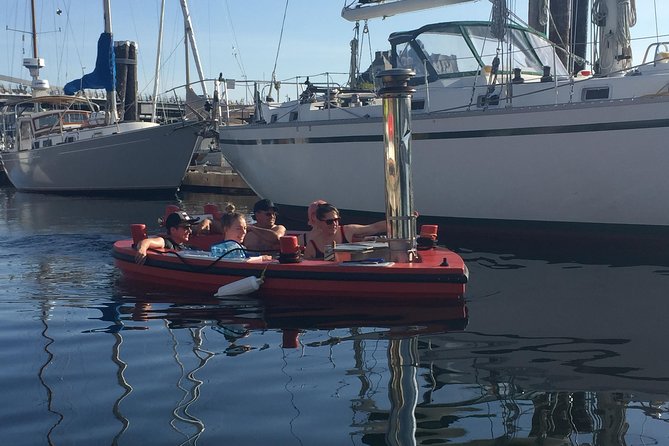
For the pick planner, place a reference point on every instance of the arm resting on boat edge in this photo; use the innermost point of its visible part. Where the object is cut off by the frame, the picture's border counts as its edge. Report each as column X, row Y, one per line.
column 359, row 232
column 145, row 245
column 263, row 239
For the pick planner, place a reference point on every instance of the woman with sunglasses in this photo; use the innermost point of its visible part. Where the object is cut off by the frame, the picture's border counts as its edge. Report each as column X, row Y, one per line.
column 326, row 229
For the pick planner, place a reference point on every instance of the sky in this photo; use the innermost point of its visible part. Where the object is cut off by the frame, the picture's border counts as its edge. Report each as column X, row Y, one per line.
column 242, row 39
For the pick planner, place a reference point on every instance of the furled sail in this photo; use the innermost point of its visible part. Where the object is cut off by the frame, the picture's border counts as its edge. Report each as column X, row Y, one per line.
column 104, row 75
column 369, row 9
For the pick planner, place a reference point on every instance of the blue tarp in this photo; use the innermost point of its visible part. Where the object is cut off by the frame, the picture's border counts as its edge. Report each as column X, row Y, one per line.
column 104, row 75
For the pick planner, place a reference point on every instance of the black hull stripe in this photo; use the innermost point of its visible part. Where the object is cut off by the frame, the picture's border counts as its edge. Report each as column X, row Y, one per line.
column 543, row 130
column 339, row 276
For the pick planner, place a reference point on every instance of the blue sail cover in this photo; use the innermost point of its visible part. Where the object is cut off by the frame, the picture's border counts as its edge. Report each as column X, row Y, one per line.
column 104, row 75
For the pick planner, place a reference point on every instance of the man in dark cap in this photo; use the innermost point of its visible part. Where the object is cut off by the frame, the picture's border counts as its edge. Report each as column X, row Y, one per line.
column 178, row 227
column 264, row 235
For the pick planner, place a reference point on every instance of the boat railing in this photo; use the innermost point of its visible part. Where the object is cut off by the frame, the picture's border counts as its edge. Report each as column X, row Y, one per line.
column 325, row 89
column 660, row 51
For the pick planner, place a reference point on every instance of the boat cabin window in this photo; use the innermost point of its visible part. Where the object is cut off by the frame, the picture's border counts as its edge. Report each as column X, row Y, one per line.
column 274, row 118
column 293, row 116
column 595, row 94
column 418, row 105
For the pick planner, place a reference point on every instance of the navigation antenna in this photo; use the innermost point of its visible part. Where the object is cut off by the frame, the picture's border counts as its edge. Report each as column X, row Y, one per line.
column 38, row 86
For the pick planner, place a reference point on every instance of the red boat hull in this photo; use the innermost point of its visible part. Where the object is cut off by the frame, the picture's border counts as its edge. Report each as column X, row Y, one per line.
column 440, row 273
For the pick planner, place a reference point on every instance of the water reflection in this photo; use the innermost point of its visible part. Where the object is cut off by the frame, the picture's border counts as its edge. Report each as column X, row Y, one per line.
column 443, row 378
column 45, row 213
column 443, row 382
column 41, row 375
column 556, row 345
column 236, row 318
column 183, row 421
column 123, row 383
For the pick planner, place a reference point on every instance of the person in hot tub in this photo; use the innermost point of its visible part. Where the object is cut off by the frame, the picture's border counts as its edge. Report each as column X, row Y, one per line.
column 233, row 227
column 179, row 229
column 325, row 229
column 264, row 235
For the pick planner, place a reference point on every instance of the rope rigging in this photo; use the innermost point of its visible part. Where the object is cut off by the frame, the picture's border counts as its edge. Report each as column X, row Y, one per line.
column 357, row 45
column 275, row 83
column 500, row 16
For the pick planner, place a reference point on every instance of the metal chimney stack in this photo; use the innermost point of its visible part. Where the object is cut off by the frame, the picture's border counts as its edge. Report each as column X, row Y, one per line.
column 400, row 218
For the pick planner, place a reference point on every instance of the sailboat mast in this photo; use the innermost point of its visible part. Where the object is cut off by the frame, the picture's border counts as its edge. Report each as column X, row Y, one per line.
column 614, row 19
column 111, row 94
column 191, row 38
column 157, row 75
column 34, row 29
column 38, row 86
column 186, row 54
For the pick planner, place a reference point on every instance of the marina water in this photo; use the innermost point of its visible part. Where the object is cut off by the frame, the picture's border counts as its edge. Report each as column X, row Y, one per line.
column 550, row 346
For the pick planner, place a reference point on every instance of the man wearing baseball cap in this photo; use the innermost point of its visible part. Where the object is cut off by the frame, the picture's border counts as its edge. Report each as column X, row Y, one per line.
column 264, row 234
column 178, row 227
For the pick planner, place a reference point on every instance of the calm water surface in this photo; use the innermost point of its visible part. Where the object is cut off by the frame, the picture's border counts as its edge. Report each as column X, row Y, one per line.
column 547, row 349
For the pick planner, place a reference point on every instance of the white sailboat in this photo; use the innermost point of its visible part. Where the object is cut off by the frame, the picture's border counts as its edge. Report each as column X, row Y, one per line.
column 66, row 144
column 502, row 131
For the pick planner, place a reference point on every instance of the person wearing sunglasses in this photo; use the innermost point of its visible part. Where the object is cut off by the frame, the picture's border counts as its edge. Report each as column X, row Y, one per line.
column 326, row 228
column 179, row 229
column 264, row 234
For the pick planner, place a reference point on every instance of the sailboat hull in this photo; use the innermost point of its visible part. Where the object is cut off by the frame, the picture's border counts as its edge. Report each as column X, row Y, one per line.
column 150, row 158
column 601, row 162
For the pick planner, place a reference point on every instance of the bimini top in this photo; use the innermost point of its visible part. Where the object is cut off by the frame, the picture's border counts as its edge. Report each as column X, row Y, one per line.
column 51, row 103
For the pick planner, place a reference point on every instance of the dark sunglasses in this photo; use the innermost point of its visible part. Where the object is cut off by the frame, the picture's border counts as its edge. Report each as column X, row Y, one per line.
column 331, row 221
column 269, row 213
column 186, row 227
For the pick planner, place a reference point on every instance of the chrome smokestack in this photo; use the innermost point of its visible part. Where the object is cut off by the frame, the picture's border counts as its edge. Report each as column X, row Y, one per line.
column 400, row 218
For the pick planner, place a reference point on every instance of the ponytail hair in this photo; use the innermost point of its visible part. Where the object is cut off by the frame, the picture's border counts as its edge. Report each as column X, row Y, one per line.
column 229, row 218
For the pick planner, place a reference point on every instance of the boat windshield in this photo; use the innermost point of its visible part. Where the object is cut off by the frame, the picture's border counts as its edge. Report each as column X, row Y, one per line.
column 445, row 52
column 456, row 50
column 46, row 122
column 546, row 53
column 73, row 117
